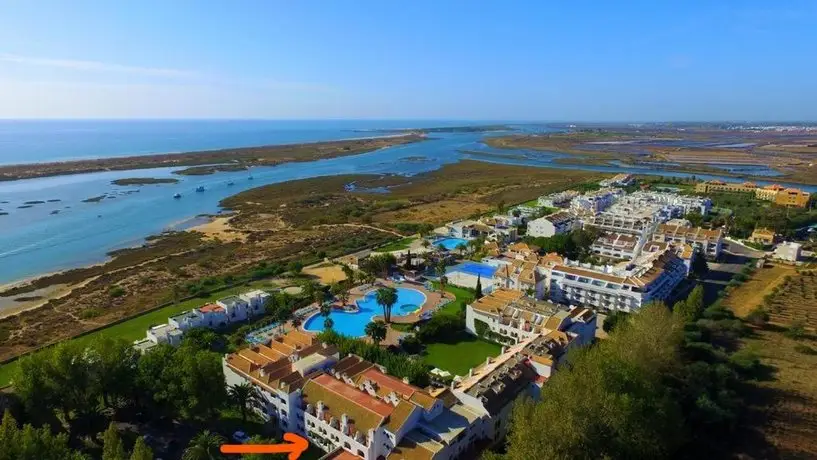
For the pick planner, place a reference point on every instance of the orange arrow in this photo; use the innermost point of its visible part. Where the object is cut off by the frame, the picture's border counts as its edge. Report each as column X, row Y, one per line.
column 295, row 446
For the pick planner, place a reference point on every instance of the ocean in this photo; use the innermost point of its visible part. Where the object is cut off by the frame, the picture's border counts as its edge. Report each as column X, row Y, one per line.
column 46, row 224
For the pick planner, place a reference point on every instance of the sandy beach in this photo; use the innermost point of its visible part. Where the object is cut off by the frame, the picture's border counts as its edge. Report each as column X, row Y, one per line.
column 220, row 228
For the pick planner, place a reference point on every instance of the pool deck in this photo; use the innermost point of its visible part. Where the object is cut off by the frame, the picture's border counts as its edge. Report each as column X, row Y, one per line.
column 433, row 300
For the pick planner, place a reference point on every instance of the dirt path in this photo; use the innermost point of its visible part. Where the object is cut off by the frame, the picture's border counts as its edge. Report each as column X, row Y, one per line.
column 370, row 227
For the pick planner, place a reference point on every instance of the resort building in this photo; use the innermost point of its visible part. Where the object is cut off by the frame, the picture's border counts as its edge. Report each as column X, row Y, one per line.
column 521, row 275
column 762, row 235
column 721, row 186
column 640, row 223
column 593, row 202
column 617, row 246
column 769, row 192
column 619, row 180
column 710, row 241
column 670, row 205
column 627, row 287
column 214, row 315
column 554, row 224
column 788, row 251
column 792, row 197
column 780, row 195
column 354, row 409
column 514, row 317
column 557, row 200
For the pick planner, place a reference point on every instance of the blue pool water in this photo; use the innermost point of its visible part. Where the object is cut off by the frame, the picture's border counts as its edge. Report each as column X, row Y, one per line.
column 353, row 324
column 474, row 268
column 450, row 243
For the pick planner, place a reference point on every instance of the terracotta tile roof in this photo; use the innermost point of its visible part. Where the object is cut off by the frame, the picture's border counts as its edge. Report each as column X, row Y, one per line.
column 342, row 455
column 415, row 446
column 560, row 217
column 351, row 366
column 496, row 301
column 366, row 412
column 399, row 416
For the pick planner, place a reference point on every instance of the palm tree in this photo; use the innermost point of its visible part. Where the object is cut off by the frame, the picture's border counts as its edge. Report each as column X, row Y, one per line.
column 244, row 396
column 350, row 274
column 376, row 330
column 204, row 446
column 425, row 244
column 441, row 248
column 328, row 323
column 440, row 271
column 461, row 248
column 386, row 297
column 297, row 321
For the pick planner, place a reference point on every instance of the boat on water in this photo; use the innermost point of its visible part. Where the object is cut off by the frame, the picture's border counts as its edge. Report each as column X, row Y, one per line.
column 249, row 178
column 177, row 195
column 230, row 183
column 200, row 188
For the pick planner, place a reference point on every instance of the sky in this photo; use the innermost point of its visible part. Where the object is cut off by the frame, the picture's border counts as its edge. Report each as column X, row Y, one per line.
column 539, row 60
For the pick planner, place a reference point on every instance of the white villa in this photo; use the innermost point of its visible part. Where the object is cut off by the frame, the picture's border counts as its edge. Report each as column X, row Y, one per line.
column 214, row 315
column 553, row 224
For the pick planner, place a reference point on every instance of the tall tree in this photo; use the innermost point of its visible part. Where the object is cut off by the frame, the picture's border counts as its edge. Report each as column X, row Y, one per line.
column 197, row 383
column 699, row 266
column 113, row 364
column 626, row 409
column 478, row 288
column 386, row 297
column 337, row 290
column 112, row 448
column 376, row 330
column 408, row 260
column 461, row 248
column 348, row 272
column 141, row 451
column 440, row 270
column 244, row 396
column 32, row 443
column 691, row 309
column 204, row 446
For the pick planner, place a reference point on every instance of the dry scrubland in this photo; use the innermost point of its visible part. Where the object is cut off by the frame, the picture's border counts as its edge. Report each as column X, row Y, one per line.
column 785, row 405
column 299, row 220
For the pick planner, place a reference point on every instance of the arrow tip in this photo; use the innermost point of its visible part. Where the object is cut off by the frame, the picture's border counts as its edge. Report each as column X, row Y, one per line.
column 299, row 445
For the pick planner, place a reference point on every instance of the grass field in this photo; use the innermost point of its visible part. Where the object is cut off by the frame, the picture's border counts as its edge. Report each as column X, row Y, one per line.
column 460, row 355
column 750, row 294
column 135, row 328
column 398, row 245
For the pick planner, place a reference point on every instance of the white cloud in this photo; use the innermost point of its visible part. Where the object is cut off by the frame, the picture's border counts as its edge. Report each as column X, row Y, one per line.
column 95, row 66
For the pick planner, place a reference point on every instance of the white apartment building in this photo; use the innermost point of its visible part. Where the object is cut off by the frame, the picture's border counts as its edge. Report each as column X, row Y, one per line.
column 625, row 220
column 673, row 205
column 593, row 202
column 557, row 200
column 517, row 318
column 652, row 276
column 553, row 224
column 710, row 241
column 617, row 245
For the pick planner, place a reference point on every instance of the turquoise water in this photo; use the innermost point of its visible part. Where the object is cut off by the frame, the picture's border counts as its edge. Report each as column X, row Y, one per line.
column 69, row 233
column 450, row 243
column 353, row 324
column 474, row 268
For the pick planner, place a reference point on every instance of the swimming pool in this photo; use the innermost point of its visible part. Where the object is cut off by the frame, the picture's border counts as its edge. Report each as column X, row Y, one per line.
column 474, row 268
column 450, row 243
column 353, row 324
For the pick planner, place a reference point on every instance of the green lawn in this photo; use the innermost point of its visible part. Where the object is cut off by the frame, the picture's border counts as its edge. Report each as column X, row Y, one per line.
column 460, row 356
column 398, row 245
column 135, row 328
column 464, row 297
column 532, row 203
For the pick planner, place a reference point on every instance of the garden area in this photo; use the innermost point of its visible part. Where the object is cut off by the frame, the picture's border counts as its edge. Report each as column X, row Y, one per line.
column 462, row 352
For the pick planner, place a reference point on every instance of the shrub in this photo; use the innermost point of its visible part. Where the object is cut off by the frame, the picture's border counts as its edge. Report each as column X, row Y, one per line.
column 805, row 349
column 116, row 291
column 481, row 327
column 796, row 330
column 90, row 313
column 758, row 316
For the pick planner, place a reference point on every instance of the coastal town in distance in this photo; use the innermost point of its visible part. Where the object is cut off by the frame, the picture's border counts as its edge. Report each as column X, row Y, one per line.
column 430, row 231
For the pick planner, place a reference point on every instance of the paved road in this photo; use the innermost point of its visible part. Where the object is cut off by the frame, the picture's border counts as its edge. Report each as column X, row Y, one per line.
column 738, row 249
